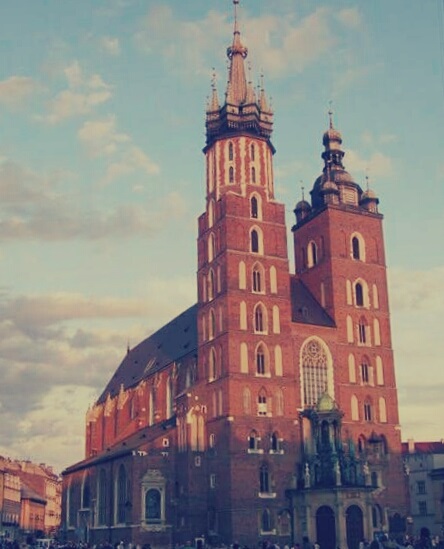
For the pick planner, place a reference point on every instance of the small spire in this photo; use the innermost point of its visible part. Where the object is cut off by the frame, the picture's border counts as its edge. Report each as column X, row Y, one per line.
column 330, row 114
column 302, row 189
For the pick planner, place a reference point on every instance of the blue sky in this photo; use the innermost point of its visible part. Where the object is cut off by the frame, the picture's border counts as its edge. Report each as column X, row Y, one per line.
column 102, row 179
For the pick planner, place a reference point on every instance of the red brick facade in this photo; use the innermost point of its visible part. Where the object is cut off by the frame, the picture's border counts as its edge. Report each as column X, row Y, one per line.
column 268, row 411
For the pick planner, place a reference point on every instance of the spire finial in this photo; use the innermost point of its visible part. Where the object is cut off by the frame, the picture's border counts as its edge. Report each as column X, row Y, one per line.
column 330, row 113
column 367, row 180
column 235, row 3
column 302, row 189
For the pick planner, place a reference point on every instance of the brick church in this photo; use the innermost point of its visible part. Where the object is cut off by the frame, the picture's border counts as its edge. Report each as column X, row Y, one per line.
column 268, row 410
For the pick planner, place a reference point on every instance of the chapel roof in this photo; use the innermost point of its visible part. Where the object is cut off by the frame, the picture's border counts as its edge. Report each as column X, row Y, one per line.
column 305, row 308
column 170, row 343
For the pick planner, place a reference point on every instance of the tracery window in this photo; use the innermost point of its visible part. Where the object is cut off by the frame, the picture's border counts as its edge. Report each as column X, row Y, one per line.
column 261, row 366
column 258, row 274
column 259, row 319
column 315, row 370
column 253, row 441
column 230, row 151
column 264, row 479
column 254, row 241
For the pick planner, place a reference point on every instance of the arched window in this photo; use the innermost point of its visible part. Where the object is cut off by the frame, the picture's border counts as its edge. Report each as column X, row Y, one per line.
column 210, row 213
column 351, row 369
column 211, row 247
column 254, row 241
column 230, row 151
column 261, row 360
column 264, row 480
column 368, row 412
column 260, row 319
column 273, row 280
column 357, row 247
column 359, row 295
column 266, row 525
column 362, row 331
column 382, row 410
column 349, row 329
column 376, row 331
column 262, row 408
column 122, row 496
column 210, row 285
column 275, row 442
column 316, row 371
column 312, row 253
column 253, row 441
column 243, row 315
column 276, row 320
column 212, row 374
column 253, row 174
column 212, row 325
column 86, row 492
column 153, row 506
column 258, row 278
column 252, row 152
column 365, row 371
column 254, row 210
column 231, row 174
column 379, row 371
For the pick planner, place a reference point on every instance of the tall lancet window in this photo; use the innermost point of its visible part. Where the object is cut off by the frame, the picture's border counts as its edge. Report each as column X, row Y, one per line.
column 316, row 372
column 231, row 174
column 230, row 151
column 254, row 208
column 253, row 174
column 253, row 152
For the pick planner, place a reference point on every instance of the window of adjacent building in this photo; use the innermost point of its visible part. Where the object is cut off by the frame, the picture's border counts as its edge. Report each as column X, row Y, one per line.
column 422, row 508
column 315, row 366
column 420, row 487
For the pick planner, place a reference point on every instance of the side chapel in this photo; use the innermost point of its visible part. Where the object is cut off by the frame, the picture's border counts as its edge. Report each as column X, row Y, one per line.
column 268, row 410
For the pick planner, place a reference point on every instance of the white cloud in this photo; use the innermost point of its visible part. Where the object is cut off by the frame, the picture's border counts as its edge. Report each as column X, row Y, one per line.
column 83, row 95
column 350, row 17
column 100, row 136
column 16, row 89
column 110, row 45
column 376, row 165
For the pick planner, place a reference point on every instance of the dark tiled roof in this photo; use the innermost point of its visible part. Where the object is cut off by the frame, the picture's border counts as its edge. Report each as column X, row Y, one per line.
column 172, row 342
column 127, row 446
column 28, row 493
column 425, row 447
column 304, row 307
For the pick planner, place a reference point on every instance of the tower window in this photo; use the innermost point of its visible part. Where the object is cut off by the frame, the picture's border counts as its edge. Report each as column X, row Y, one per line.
column 253, row 174
column 356, row 253
column 254, row 241
column 259, row 319
column 260, row 361
column 230, row 151
column 257, row 280
column 368, row 411
column 312, row 253
column 262, row 404
column 359, row 294
column 362, row 332
column 253, row 441
column 264, row 480
column 254, row 208
column 364, row 372
column 252, row 149
column 275, row 443
column 231, row 174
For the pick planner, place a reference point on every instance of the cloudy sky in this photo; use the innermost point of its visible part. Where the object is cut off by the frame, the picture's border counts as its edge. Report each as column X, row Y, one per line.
column 101, row 179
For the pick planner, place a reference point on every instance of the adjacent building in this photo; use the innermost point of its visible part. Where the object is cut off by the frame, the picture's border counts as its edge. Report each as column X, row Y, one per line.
column 268, row 410
column 424, row 465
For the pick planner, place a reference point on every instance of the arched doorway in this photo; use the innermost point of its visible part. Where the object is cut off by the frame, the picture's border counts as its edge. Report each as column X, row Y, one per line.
column 355, row 526
column 326, row 527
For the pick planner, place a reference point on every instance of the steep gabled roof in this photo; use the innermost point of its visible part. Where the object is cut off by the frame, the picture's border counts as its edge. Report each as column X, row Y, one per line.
column 304, row 307
column 172, row 342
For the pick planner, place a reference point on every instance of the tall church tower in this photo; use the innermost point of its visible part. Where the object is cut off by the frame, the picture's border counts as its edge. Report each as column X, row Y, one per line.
column 340, row 259
column 244, row 311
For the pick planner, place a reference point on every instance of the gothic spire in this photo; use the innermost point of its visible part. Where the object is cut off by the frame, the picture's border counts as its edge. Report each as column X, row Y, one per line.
column 236, row 53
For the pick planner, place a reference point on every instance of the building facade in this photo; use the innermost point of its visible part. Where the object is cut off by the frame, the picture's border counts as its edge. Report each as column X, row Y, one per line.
column 267, row 411
column 424, row 465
